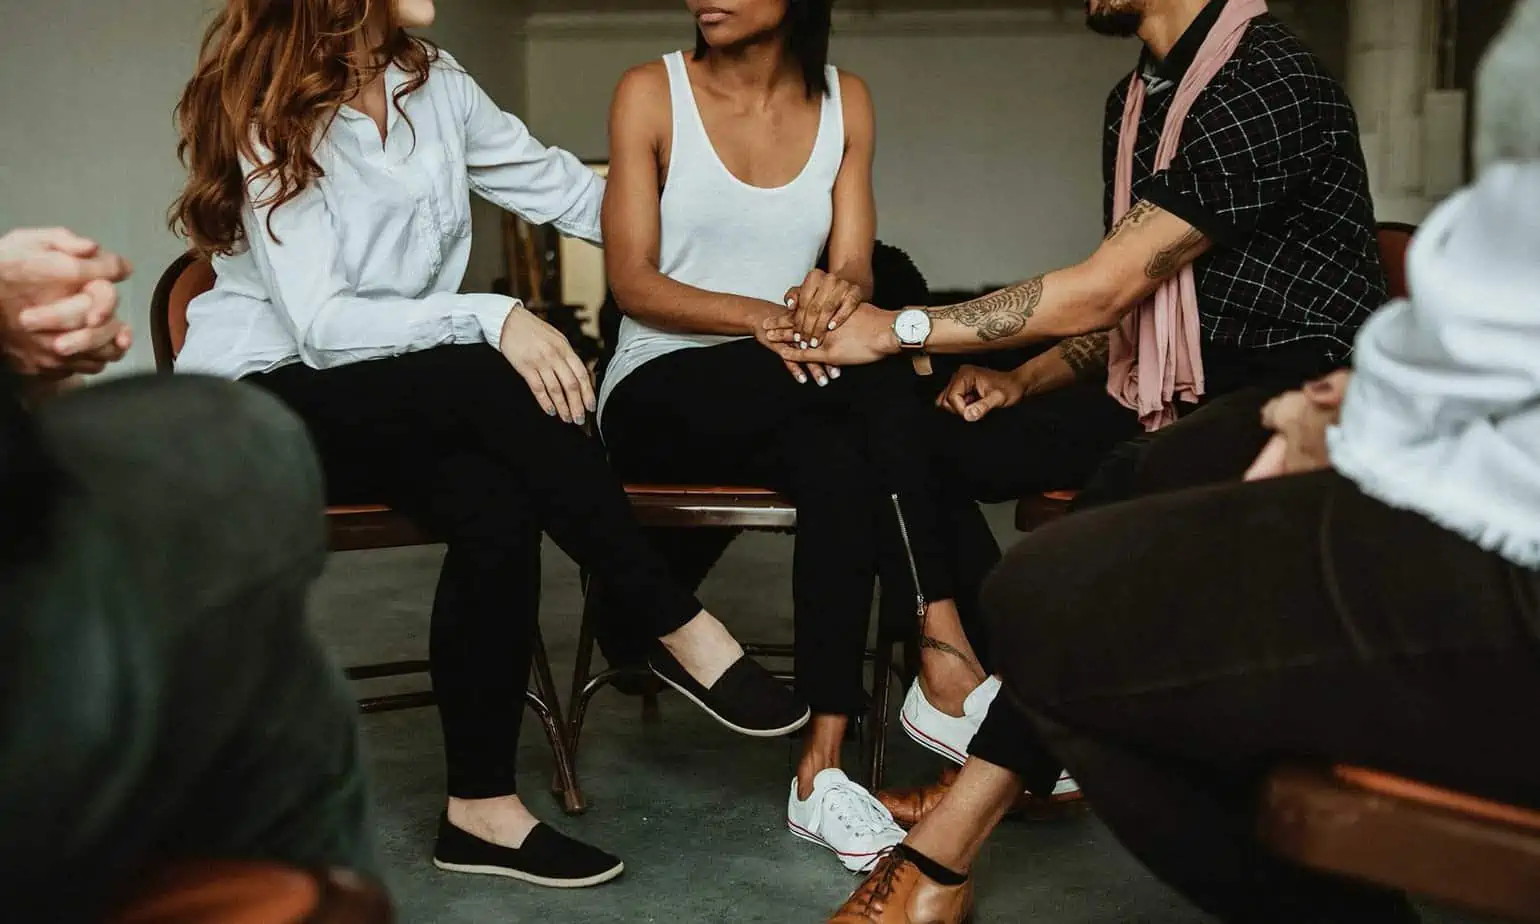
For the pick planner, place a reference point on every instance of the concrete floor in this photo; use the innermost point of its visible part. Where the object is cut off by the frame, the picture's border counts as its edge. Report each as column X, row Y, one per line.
column 697, row 814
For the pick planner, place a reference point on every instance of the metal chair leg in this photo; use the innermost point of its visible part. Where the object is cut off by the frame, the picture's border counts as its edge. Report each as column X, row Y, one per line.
column 544, row 700
column 877, row 724
column 582, row 669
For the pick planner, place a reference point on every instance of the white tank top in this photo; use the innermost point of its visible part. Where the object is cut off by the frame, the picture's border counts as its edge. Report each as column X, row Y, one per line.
column 720, row 234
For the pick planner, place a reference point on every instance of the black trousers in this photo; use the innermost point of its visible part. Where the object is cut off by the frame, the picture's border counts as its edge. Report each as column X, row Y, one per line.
column 1175, row 649
column 453, row 437
column 1083, row 436
column 162, row 698
column 854, row 459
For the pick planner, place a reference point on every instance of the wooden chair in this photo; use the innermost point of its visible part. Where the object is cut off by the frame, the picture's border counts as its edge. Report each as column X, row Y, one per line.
column 360, row 528
column 1443, row 845
column 726, row 507
column 1395, row 238
column 1035, row 510
column 232, row 892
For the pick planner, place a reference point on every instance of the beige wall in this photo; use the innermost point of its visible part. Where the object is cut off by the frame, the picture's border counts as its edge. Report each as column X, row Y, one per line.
column 86, row 92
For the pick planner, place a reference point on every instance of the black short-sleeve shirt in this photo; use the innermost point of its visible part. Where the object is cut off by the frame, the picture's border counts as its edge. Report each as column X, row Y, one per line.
column 1270, row 169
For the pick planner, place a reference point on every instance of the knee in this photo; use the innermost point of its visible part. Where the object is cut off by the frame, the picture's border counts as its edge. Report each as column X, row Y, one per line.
column 1034, row 603
column 198, row 451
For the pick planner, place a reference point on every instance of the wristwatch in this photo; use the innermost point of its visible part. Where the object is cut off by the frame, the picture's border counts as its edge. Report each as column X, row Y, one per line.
column 913, row 328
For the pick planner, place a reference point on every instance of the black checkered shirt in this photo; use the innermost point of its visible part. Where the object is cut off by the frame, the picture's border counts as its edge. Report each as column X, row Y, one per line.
column 1270, row 169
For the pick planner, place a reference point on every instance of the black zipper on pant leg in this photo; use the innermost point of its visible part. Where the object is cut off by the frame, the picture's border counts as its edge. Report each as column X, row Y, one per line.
column 914, row 570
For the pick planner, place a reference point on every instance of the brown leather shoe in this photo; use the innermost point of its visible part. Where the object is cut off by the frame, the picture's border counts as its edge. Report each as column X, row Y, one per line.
column 910, row 804
column 896, row 892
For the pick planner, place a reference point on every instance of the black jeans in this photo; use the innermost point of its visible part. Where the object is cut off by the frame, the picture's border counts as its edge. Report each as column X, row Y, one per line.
column 453, row 437
column 1212, row 442
column 731, row 414
column 162, row 699
column 1175, row 649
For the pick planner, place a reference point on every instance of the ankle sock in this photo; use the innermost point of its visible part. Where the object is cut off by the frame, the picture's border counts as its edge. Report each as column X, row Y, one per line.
column 933, row 871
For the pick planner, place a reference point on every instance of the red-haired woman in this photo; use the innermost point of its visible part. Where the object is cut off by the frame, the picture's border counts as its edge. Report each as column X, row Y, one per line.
column 331, row 157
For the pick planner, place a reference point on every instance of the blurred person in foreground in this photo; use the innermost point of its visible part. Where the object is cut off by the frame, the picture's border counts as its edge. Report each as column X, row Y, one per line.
column 1371, row 595
column 162, row 700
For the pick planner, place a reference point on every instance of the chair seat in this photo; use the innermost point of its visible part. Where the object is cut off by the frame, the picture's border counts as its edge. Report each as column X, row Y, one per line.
column 1036, row 510
column 711, row 506
column 699, row 490
column 1398, row 833
column 237, row 892
column 364, row 527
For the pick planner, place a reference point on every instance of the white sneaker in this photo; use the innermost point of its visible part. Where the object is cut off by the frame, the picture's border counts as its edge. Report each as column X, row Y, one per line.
column 947, row 735
column 1066, row 787
column 842, row 816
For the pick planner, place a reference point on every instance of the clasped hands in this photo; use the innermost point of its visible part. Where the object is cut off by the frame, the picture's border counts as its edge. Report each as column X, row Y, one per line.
column 58, row 304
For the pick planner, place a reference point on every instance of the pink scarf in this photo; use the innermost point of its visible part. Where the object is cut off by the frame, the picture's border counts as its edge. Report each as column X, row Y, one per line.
column 1154, row 356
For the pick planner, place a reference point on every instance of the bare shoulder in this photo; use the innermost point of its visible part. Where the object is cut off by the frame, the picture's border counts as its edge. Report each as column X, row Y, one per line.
column 856, row 101
column 643, row 85
column 854, row 91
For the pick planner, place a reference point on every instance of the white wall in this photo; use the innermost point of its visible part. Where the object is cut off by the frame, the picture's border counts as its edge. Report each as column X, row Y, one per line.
column 86, row 132
column 989, row 125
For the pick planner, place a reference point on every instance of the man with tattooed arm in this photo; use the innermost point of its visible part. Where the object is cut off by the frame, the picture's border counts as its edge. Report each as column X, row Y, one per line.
column 1240, row 260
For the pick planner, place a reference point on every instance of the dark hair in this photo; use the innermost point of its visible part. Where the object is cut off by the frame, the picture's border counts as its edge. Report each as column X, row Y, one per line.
column 806, row 28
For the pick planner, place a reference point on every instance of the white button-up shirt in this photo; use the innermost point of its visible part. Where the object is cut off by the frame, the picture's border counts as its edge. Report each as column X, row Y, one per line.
column 368, row 260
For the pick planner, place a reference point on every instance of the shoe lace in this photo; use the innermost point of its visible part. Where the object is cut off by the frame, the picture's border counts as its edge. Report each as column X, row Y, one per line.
column 878, row 887
column 857, row 810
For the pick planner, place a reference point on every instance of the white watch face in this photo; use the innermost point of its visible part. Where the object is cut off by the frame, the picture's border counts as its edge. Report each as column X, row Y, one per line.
column 912, row 327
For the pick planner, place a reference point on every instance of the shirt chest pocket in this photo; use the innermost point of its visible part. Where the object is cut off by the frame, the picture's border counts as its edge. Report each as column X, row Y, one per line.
column 447, row 191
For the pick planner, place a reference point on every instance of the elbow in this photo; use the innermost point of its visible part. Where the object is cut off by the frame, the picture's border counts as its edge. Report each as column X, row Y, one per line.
column 1104, row 299
column 628, row 285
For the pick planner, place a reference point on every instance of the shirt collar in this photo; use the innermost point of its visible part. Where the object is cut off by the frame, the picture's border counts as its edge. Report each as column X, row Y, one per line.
column 1175, row 65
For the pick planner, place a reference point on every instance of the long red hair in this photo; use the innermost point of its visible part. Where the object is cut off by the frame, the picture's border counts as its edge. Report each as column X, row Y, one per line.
column 271, row 76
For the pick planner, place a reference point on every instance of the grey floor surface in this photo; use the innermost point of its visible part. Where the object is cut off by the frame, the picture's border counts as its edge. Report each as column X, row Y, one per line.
column 697, row 814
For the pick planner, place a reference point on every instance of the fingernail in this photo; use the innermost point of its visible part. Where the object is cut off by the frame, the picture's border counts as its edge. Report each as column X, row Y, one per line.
column 834, row 373
column 822, row 381
column 578, row 420
column 802, row 380
column 815, row 343
column 551, row 412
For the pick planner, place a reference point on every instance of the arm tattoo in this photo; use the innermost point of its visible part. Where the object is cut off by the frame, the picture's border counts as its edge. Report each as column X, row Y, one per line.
column 1165, row 264
column 998, row 315
column 1086, row 355
column 1135, row 216
column 935, row 644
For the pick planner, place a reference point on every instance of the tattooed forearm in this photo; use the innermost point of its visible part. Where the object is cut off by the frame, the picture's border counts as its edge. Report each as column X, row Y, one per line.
column 1135, row 216
column 998, row 315
column 1086, row 355
column 935, row 644
column 1176, row 256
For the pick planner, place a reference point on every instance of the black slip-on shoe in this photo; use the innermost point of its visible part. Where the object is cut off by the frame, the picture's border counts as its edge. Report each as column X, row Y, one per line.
column 746, row 698
column 547, row 858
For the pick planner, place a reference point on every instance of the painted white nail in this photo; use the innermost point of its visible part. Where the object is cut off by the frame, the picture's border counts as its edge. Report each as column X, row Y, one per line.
column 831, row 325
column 822, row 381
column 834, row 373
column 815, row 343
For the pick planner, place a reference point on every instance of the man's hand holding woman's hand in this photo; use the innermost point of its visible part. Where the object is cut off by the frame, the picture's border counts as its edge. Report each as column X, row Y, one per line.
column 864, row 337
column 552, row 369
column 1299, row 421
column 821, row 304
column 58, row 304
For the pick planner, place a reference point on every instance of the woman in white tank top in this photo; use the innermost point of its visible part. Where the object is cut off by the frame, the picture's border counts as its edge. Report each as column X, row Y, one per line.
column 731, row 170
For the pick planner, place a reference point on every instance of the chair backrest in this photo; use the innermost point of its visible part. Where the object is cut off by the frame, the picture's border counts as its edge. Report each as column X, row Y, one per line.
column 188, row 277
column 1395, row 238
